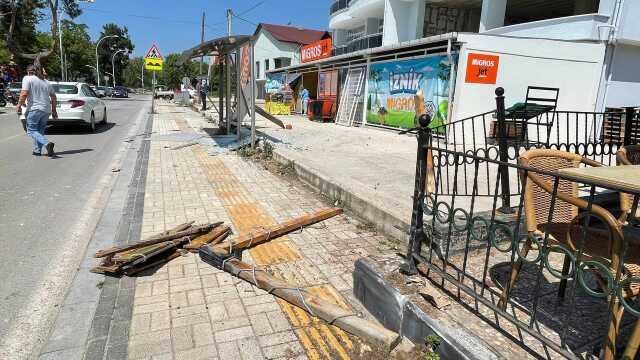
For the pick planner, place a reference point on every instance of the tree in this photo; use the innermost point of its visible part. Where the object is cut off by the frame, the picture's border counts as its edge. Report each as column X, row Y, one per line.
column 172, row 73
column 111, row 45
column 18, row 29
column 79, row 51
column 132, row 74
column 14, row 11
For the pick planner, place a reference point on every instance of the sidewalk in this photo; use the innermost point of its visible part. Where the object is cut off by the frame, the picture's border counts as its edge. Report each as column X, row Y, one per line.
column 377, row 183
column 190, row 310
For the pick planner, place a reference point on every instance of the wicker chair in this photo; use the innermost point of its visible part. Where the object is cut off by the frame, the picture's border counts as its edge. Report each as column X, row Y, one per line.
column 628, row 155
column 602, row 244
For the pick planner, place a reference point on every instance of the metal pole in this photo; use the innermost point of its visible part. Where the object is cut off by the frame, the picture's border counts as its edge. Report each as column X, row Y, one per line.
column 113, row 68
column 416, row 236
column 628, row 125
column 221, row 61
column 239, row 101
column 228, row 74
column 62, row 74
column 253, row 99
column 153, row 93
column 503, row 148
column 202, row 41
column 142, row 77
column 97, row 60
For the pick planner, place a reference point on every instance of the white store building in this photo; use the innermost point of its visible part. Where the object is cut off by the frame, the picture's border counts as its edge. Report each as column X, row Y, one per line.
column 278, row 46
column 605, row 27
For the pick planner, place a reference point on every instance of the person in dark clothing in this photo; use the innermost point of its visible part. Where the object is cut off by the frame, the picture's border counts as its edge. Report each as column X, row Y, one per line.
column 203, row 93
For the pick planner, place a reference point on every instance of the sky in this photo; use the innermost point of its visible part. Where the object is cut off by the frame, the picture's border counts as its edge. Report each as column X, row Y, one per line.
column 175, row 25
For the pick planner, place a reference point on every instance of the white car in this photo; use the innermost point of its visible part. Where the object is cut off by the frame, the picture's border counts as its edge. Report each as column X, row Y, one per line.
column 77, row 103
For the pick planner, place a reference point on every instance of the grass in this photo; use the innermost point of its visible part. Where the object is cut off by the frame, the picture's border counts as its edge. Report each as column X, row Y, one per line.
column 401, row 119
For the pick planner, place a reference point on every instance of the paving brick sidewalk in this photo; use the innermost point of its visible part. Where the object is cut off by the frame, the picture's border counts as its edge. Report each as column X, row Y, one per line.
column 190, row 310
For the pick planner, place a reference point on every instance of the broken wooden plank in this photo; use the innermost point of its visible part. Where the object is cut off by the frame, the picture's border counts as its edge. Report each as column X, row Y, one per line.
column 275, row 231
column 148, row 256
column 106, row 269
column 159, row 261
column 215, row 236
column 193, row 230
column 333, row 314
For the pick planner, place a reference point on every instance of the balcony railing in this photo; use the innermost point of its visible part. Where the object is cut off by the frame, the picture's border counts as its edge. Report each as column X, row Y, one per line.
column 339, row 5
column 365, row 42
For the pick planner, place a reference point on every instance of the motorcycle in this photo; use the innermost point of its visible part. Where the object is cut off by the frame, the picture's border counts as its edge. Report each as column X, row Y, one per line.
column 11, row 97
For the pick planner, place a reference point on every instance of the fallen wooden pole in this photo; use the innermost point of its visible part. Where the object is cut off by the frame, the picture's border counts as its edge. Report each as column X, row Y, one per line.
column 166, row 246
column 214, row 237
column 274, row 231
column 193, row 230
column 329, row 312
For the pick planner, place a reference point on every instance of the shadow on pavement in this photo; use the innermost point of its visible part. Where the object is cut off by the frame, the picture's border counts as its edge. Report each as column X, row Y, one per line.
column 78, row 129
column 71, row 152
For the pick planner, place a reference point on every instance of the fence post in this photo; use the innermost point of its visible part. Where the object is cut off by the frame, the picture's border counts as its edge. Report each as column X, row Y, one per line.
column 417, row 229
column 503, row 149
column 628, row 125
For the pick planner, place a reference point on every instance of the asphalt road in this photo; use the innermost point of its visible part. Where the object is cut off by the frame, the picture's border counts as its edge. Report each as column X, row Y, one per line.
column 40, row 197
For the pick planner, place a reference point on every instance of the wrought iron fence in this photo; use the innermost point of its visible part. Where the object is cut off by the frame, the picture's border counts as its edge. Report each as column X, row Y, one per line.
column 561, row 268
column 504, row 134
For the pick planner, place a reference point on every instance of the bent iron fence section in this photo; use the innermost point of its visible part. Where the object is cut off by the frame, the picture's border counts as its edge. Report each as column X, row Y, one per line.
column 555, row 291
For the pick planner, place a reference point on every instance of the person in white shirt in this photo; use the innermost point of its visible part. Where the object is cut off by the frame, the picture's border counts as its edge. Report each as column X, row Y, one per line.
column 41, row 103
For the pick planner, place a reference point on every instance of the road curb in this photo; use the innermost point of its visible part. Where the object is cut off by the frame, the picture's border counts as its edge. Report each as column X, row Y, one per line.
column 75, row 323
column 384, row 221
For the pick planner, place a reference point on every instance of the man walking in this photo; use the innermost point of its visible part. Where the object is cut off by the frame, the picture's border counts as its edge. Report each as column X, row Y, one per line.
column 41, row 102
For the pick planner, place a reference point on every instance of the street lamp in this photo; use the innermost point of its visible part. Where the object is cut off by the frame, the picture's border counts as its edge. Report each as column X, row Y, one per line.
column 93, row 67
column 97, row 61
column 113, row 63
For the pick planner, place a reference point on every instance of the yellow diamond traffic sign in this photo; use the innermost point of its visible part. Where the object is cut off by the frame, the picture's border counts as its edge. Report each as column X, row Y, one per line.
column 153, row 64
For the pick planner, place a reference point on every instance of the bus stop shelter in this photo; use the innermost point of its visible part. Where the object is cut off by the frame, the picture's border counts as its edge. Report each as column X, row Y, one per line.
column 235, row 101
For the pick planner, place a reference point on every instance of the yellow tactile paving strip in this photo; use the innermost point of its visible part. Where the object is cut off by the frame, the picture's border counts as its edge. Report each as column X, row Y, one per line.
column 320, row 341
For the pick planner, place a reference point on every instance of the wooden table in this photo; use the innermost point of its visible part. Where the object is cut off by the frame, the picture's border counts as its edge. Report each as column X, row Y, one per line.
column 623, row 178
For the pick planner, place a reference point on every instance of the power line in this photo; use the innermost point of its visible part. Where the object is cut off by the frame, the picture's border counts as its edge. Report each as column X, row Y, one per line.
column 153, row 18
column 253, row 7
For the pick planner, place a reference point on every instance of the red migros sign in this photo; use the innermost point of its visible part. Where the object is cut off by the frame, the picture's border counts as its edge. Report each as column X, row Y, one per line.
column 317, row 50
column 482, row 68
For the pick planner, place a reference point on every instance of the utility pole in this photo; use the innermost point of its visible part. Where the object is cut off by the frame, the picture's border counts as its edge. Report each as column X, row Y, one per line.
column 142, row 75
column 202, row 42
column 62, row 75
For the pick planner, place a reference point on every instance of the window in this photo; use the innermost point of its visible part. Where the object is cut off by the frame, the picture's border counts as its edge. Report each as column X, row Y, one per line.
column 87, row 91
column 65, row 88
column 266, row 65
column 257, row 69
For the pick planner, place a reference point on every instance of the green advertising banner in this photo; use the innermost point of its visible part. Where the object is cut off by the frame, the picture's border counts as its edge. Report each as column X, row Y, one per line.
column 393, row 85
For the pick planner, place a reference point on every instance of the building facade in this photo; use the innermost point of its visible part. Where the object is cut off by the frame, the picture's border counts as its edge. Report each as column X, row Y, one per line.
column 278, row 46
column 364, row 24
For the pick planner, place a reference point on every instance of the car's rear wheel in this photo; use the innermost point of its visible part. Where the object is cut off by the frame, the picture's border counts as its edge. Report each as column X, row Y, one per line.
column 104, row 117
column 92, row 123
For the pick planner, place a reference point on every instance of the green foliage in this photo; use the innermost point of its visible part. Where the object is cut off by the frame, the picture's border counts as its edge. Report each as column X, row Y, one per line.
column 109, row 46
column 132, row 74
column 172, row 73
column 432, row 342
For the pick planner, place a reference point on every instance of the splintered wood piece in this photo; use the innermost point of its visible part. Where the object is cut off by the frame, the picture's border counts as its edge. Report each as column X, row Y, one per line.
column 333, row 314
column 152, row 252
column 215, row 236
column 275, row 231
column 159, row 261
column 106, row 269
column 191, row 231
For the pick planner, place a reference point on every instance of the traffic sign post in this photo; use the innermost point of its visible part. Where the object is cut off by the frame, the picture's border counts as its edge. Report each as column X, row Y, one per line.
column 153, row 61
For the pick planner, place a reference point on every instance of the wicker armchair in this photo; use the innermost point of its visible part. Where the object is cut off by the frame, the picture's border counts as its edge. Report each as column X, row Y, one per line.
column 628, row 155
column 602, row 244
